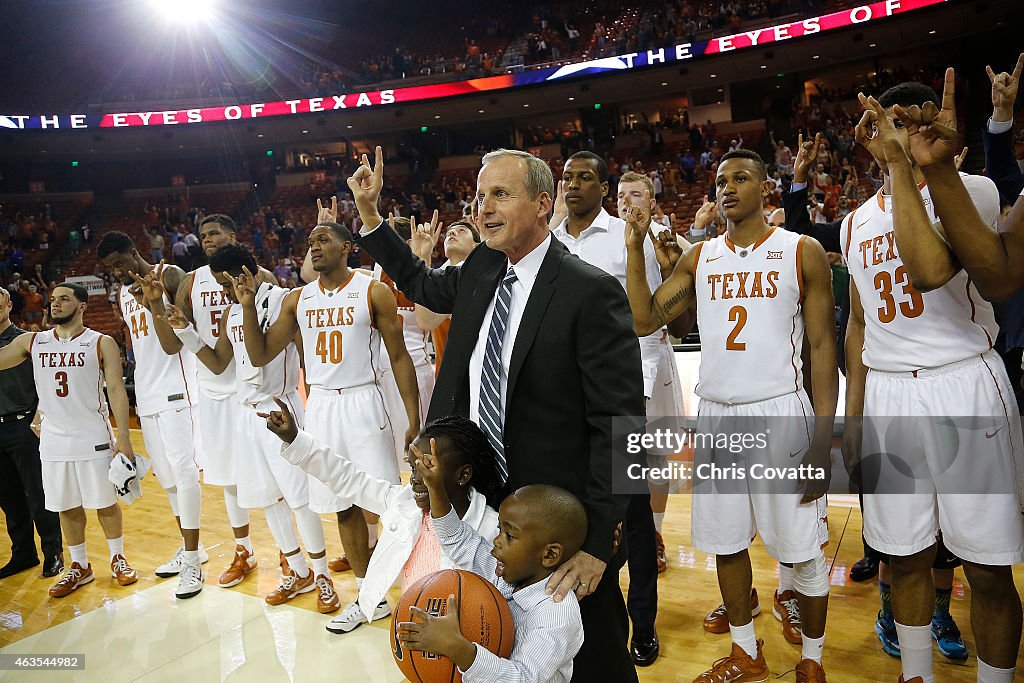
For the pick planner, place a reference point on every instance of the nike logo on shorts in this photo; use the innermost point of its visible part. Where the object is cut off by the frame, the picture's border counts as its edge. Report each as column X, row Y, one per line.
column 989, row 436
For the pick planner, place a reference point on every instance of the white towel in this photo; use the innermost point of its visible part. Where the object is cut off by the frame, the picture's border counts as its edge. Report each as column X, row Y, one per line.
column 127, row 477
column 268, row 303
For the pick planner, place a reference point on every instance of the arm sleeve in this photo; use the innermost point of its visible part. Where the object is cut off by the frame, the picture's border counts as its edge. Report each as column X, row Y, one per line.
column 798, row 220
column 339, row 474
column 435, row 289
column 539, row 652
column 464, row 546
column 1000, row 164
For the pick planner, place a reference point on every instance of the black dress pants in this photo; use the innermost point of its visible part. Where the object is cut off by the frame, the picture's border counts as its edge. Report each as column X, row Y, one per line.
column 21, row 492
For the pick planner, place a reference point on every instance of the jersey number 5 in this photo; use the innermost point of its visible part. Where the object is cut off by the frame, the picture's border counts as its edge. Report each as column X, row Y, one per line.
column 738, row 315
column 884, row 284
column 328, row 346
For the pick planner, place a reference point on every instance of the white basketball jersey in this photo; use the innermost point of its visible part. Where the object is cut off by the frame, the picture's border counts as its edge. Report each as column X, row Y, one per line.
column 69, row 380
column 906, row 330
column 162, row 382
column 208, row 305
column 415, row 336
column 278, row 377
column 339, row 343
column 749, row 309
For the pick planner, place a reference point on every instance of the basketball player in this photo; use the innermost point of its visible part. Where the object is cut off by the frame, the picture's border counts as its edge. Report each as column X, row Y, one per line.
column 165, row 393
column 264, row 480
column 342, row 317
column 920, row 338
column 202, row 301
column 70, row 364
column 460, row 238
column 757, row 289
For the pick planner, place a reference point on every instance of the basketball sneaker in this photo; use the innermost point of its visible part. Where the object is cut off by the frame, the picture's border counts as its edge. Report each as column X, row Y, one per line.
column 786, row 610
column 291, row 585
column 738, row 667
column 327, row 599
column 662, row 558
column 809, row 671
column 173, row 566
column 190, row 581
column 717, row 621
column 352, row 617
column 74, row 577
column 339, row 564
column 241, row 565
column 947, row 636
column 120, row 570
column 885, row 628
column 915, row 679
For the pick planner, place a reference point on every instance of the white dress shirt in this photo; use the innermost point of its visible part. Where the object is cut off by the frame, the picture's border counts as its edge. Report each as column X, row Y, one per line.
column 526, row 272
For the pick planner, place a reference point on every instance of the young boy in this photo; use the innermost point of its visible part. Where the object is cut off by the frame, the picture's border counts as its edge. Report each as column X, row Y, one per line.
column 539, row 528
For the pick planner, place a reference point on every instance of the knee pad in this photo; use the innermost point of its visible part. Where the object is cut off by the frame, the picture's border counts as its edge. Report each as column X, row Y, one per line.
column 810, row 578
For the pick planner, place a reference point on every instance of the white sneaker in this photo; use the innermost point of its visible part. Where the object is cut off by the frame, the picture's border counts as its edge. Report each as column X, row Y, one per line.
column 352, row 617
column 190, row 581
column 173, row 566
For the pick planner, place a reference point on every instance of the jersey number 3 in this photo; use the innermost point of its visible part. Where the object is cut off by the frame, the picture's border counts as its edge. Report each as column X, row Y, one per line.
column 909, row 308
column 328, row 346
column 61, row 378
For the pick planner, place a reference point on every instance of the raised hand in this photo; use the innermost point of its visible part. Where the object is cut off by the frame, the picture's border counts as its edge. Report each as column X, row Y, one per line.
column 705, row 214
column 876, row 132
column 638, row 221
column 959, row 159
column 427, row 467
column 244, row 286
column 424, row 237
column 150, row 285
column 175, row 318
column 806, row 155
column 366, row 184
column 281, row 422
column 933, row 136
column 667, row 250
column 327, row 214
column 1004, row 90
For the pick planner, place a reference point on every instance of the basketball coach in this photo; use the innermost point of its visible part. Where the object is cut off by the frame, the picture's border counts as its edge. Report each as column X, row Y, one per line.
column 542, row 355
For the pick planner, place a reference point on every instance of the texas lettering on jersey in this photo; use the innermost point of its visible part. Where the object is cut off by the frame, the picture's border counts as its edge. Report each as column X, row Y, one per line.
column 880, row 249
column 744, row 285
column 330, row 317
column 214, row 298
column 55, row 359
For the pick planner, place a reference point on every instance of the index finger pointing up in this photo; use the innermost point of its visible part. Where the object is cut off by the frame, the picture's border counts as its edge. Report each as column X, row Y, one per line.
column 378, row 163
column 949, row 90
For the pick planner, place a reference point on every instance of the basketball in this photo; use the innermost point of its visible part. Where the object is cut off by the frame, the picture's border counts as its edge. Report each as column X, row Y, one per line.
column 484, row 618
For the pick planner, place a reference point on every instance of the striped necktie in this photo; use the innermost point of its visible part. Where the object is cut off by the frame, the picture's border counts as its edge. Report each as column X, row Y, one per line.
column 492, row 413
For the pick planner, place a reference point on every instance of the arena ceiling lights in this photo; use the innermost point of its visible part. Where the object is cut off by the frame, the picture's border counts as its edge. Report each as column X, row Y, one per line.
column 185, row 12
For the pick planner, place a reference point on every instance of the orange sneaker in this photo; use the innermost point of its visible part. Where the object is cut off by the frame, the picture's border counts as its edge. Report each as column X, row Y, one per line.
column 717, row 621
column 915, row 679
column 74, row 577
column 291, row 585
column 241, row 565
column 738, row 667
column 786, row 610
column 339, row 564
column 327, row 600
column 662, row 558
column 809, row 671
column 120, row 570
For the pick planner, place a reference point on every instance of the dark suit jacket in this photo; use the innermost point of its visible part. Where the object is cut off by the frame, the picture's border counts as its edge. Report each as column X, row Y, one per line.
column 1000, row 164
column 575, row 366
column 798, row 220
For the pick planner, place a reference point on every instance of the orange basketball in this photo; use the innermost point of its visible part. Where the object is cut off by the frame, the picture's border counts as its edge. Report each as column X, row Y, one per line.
column 484, row 618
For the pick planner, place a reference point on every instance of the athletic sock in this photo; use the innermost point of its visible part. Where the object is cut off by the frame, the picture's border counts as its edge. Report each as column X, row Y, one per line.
column 812, row 647
column 990, row 674
column 320, row 566
column 885, row 594
column 116, row 546
column 371, row 533
column 359, row 583
column 297, row 562
column 192, row 557
column 785, row 578
column 246, row 543
column 745, row 637
column 916, row 651
column 942, row 597
column 659, row 517
column 79, row 555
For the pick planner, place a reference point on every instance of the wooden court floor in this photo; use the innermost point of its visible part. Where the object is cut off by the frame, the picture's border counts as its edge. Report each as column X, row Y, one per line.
column 688, row 590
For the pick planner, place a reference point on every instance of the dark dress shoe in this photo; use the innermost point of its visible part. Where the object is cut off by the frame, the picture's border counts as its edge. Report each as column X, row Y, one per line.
column 54, row 565
column 865, row 568
column 17, row 564
column 644, row 650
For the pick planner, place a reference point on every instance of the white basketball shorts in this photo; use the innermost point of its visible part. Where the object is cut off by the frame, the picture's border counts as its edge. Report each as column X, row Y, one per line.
column 263, row 476
column 170, row 443
column 214, row 449
column 68, row 484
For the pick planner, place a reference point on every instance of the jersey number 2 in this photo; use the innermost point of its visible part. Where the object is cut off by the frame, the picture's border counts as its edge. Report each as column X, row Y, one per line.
column 328, row 346
column 738, row 315
column 884, row 284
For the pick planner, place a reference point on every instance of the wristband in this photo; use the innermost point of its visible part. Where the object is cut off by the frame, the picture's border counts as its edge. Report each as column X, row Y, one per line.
column 189, row 338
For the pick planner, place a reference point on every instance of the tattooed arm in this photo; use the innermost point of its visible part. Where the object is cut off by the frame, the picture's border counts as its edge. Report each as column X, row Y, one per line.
column 673, row 298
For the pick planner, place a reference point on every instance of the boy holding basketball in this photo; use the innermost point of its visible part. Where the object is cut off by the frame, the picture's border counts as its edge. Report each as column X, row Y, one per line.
column 539, row 528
